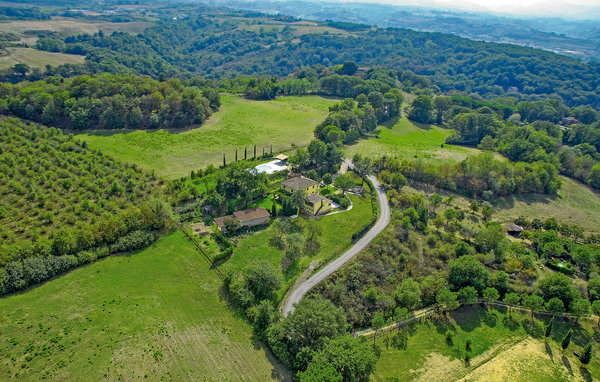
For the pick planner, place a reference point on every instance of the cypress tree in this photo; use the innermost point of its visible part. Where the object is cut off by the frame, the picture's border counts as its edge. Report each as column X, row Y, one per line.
column 245, row 153
column 236, row 155
column 224, row 160
column 254, row 151
column 274, row 210
column 566, row 341
column 269, row 154
column 263, row 151
column 549, row 328
column 586, row 356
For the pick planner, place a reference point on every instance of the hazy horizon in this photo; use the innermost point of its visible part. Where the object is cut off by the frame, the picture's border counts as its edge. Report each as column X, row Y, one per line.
column 579, row 9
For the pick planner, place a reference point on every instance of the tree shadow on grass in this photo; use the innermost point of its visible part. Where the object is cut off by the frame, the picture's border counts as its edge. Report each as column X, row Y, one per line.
column 490, row 318
column 422, row 126
column 567, row 364
column 585, row 373
column 391, row 123
column 549, row 351
column 533, row 327
column 510, row 322
column 468, row 317
column 279, row 372
column 442, row 324
column 508, row 202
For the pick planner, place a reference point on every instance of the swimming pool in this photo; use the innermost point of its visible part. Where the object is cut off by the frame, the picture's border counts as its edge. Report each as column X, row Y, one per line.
column 271, row 167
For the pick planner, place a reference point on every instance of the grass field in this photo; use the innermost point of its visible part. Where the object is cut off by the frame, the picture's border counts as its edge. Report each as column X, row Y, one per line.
column 501, row 350
column 574, row 204
column 406, row 139
column 154, row 315
column 239, row 123
column 27, row 29
column 37, row 58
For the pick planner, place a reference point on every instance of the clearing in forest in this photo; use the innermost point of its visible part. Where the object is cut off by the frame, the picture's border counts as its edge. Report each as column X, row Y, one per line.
column 37, row 58
column 239, row 123
column 406, row 139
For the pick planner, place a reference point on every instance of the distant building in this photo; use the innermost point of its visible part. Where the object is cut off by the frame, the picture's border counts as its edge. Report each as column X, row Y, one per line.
column 245, row 218
column 514, row 229
column 568, row 121
column 300, row 183
column 281, row 157
column 316, row 204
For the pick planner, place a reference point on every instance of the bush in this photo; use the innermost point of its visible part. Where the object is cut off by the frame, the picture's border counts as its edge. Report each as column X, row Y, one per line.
column 222, row 240
column 132, row 241
column 223, row 256
column 18, row 275
column 561, row 266
column 86, row 257
column 345, row 203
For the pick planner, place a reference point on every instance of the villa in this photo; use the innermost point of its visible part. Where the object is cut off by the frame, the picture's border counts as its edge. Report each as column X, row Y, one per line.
column 300, row 183
column 316, row 204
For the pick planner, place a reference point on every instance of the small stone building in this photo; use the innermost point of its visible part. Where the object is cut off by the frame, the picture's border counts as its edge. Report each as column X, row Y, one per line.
column 245, row 218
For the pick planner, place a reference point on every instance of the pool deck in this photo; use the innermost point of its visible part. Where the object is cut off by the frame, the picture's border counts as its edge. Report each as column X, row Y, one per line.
column 272, row 167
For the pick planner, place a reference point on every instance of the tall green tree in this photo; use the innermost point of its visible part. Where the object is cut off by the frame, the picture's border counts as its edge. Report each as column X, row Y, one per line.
column 408, row 294
column 377, row 323
column 344, row 182
column 447, row 300
column 421, row 109
column 586, row 355
column 566, row 340
column 549, row 327
column 352, row 357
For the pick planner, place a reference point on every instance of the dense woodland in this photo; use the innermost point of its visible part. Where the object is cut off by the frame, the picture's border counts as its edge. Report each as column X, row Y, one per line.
column 63, row 204
column 107, row 101
column 430, row 249
column 191, row 46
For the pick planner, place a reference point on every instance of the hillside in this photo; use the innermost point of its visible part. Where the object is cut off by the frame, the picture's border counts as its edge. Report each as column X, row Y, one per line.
column 76, row 187
column 156, row 314
column 251, row 43
column 63, row 204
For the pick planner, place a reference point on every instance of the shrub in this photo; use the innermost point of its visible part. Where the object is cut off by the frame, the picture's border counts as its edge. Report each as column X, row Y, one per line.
column 132, row 241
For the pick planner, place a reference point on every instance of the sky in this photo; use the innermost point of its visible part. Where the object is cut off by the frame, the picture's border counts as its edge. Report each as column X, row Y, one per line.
column 565, row 8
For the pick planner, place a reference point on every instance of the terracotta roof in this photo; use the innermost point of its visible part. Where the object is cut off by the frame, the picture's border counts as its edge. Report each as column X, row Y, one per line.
column 254, row 213
column 220, row 221
column 300, row 183
column 316, row 198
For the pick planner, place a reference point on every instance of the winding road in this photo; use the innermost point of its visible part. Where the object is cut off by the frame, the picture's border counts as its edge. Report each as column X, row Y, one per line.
column 382, row 221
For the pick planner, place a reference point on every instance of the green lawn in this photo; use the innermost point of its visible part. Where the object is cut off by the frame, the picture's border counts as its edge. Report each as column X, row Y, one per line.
column 239, row 123
column 407, row 139
column 154, row 315
column 500, row 350
column 336, row 236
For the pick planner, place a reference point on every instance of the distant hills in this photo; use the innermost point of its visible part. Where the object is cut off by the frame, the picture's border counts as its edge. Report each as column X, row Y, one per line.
column 578, row 38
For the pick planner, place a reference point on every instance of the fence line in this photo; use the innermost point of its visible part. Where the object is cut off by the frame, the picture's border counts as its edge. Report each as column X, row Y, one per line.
column 212, row 264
